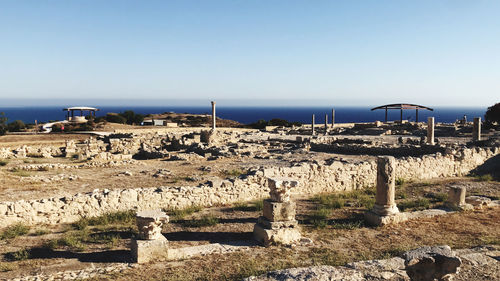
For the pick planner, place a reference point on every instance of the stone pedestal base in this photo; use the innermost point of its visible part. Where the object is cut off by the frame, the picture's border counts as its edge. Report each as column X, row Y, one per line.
column 385, row 210
column 375, row 219
column 284, row 232
column 147, row 250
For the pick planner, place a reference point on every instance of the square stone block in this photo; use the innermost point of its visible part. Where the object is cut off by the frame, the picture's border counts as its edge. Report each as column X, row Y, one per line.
column 279, row 211
column 147, row 250
column 267, row 237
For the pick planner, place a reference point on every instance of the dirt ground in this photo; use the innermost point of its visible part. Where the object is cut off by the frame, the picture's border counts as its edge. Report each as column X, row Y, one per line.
column 343, row 238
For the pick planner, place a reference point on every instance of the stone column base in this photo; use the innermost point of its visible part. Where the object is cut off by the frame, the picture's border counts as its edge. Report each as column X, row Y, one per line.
column 375, row 219
column 268, row 233
column 147, row 250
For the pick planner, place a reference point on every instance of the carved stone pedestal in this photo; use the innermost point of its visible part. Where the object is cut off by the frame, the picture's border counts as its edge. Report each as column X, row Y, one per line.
column 151, row 244
column 278, row 224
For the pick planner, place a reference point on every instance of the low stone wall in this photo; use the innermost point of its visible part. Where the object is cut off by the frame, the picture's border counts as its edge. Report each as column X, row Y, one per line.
column 334, row 175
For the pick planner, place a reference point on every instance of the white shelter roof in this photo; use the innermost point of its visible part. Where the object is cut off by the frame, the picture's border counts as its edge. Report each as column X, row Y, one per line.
column 81, row 108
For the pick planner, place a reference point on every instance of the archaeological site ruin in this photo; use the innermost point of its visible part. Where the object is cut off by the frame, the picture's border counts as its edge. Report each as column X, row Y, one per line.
column 334, row 201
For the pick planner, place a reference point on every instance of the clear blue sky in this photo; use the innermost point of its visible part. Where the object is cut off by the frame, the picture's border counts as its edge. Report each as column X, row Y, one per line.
column 348, row 52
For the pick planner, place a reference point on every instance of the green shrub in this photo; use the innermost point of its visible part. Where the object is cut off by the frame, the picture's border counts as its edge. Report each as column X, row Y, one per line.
column 418, row 204
column 16, row 126
column 347, row 224
column 400, row 181
column 251, row 206
column 319, row 217
column 3, row 125
column 485, row 177
column 330, row 201
column 440, row 197
column 115, row 118
column 207, row 220
column 492, row 115
column 14, row 230
column 120, row 217
column 131, row 117
column 178, row 214
column 233, row 173
column 40, row 232
column 3, row 162
column 20, row 255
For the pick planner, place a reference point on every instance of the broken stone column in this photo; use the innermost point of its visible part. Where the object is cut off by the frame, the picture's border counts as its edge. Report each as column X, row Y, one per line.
column 213, row 115
column 333, row 117
column 430, row 130
column 456, row 198
column 312, row 125
column 476, row 129
column 278, row 224
column 326, row 124
column 150, row 243
column 385, row 210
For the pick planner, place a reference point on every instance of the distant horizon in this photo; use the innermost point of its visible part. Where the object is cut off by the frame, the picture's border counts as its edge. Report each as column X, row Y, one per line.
column 10, row 103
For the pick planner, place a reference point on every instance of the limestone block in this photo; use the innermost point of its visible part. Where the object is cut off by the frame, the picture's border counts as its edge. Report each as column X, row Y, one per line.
column 280, row 188
column 149, row 224
column 268, row 237
column 148, row 250
column 279, row 211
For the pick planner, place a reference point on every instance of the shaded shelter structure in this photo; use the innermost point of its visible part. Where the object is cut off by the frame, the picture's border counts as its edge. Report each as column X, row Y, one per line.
column 402, row 106
column 70, row 116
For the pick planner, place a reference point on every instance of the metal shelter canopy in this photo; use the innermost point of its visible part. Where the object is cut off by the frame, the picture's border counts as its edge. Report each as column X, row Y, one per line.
column 402, row 106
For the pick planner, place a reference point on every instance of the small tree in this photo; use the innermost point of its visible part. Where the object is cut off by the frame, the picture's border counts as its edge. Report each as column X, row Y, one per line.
column 3, row 126
column 132, row 118
column 115, row 118
column 492, row 115
column 16, row 126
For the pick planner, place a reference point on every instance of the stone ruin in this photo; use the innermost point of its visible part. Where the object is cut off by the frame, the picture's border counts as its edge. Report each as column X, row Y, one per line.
column 385, row 210
column 150, row 243
column 278, row 224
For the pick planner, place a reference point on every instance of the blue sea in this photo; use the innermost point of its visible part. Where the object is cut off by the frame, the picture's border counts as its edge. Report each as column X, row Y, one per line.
column 252, row 114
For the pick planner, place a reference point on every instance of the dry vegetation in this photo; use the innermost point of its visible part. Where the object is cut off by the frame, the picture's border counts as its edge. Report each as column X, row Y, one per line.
column 333, row 221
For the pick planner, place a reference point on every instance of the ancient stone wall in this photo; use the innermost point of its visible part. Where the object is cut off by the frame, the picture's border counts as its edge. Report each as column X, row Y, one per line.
column 317, row 177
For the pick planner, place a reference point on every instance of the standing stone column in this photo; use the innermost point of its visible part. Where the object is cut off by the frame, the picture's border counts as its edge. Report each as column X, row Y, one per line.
column 385, row 210
column 278, row 224
column 213, row 115
column 476, row 129
column 312, row 125
column 150, row 243
column 333, row 118
column 430, row 130
column 326, row 124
